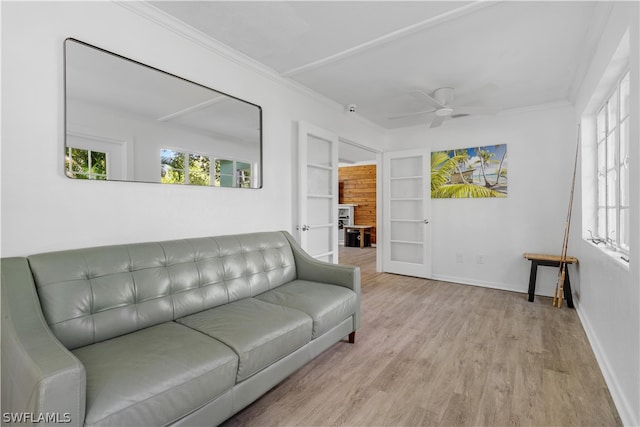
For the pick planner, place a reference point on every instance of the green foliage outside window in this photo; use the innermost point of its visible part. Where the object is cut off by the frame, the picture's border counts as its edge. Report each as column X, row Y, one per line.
column 86, row 164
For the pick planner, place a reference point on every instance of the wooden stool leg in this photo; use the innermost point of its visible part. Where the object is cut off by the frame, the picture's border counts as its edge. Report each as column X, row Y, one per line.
column 532, row 280
column 567, row 288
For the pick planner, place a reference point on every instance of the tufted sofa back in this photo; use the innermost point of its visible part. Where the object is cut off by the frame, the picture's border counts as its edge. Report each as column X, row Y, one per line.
column 90, row 295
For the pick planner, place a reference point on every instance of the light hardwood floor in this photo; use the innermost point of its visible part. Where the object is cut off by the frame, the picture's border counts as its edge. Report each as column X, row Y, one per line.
column 431, row 353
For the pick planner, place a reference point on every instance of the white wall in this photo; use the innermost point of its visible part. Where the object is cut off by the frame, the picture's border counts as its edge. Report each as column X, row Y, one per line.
column 608, row 295
column 541, row 148
column 540, row 153
column 43, row 210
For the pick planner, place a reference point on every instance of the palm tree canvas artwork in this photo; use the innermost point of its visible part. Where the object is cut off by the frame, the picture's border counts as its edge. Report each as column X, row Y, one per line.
column 469, row 172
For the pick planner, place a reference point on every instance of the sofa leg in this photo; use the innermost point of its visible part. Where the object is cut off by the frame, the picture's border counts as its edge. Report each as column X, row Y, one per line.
column 352, row 337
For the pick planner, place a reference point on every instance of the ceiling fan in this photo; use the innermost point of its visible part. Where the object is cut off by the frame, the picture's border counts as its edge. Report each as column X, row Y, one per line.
column 443, row 108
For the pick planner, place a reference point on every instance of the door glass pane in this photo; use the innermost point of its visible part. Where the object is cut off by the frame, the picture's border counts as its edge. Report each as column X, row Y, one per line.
column 407, row 252
column 319, row 240
column 319, row 211
column 318, row 181
column 406, row 188
column 406, row 209
column 407, row 231
column 408, row 166
column 318, row 151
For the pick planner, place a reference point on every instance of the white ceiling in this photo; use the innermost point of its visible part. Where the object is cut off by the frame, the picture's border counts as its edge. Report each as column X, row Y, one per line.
column 376, row 54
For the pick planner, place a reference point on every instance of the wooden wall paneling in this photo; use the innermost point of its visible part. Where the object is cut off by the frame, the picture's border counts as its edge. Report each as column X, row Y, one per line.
column 357, row 185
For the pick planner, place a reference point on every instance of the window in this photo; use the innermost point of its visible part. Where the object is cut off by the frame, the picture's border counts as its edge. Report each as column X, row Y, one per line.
column 195, row 169
column 86, row 164
column 612, row 140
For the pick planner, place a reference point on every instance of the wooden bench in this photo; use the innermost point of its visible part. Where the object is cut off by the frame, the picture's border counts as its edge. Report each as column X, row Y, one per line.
column 549, row 261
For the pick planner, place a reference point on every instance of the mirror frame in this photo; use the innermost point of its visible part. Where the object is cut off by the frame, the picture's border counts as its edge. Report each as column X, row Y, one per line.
column 68, row 132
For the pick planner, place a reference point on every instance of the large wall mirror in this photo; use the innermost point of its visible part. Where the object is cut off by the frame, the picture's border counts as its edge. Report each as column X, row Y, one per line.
column 126, row 121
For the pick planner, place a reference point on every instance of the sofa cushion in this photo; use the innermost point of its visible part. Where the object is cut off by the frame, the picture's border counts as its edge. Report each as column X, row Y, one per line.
column 154, row 376
column 328, row 305
column 259, row 332
column 94, row 294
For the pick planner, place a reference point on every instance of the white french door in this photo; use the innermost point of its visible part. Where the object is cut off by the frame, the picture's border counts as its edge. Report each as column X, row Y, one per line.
column 406, row 211
column 317, row 228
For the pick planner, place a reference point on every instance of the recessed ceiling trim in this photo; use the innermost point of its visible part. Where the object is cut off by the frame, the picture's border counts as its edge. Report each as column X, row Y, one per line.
column 169, row 22
column 394, row 35
column 192, row 109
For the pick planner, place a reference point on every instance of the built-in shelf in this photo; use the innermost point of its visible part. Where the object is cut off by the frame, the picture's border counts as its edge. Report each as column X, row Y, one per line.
column 345, row 218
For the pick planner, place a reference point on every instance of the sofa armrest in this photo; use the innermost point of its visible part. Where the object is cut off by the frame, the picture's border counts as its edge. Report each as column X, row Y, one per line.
column 309, row 268
column 43, row 383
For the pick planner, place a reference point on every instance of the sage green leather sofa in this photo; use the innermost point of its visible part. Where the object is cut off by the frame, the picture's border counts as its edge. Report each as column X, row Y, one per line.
column 184, row 332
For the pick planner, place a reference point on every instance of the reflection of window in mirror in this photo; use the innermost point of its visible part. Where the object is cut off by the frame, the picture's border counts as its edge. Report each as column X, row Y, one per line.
column 174, row 169
column 122, row 107
column 177, row 167
column 85, row 164
column 232, row 173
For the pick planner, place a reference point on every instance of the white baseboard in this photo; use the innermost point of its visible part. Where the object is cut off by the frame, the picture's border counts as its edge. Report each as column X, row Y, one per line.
column 625, row 410
column 480, row 283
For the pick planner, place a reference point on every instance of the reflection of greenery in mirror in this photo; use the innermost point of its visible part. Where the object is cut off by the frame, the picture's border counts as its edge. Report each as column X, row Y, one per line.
column 199, row 169
column 133, row 112
column 173, row 170
column 172, row 167
column 85, row 164
column 226, row 173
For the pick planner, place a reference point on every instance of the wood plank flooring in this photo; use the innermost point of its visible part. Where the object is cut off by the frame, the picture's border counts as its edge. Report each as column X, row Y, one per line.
column 431, row 353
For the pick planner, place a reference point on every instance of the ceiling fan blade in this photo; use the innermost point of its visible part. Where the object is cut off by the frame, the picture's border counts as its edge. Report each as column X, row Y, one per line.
column 417, row 113
column 424, row 95
column 487, row 111
column 437, row 121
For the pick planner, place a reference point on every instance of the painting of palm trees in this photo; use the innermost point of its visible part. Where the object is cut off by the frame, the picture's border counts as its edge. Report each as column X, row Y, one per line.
column 469, row 172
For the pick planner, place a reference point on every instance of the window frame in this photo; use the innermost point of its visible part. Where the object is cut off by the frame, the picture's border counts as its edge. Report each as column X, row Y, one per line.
column 609, row 208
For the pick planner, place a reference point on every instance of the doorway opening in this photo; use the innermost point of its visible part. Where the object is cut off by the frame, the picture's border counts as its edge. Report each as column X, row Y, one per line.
column 358, row 212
